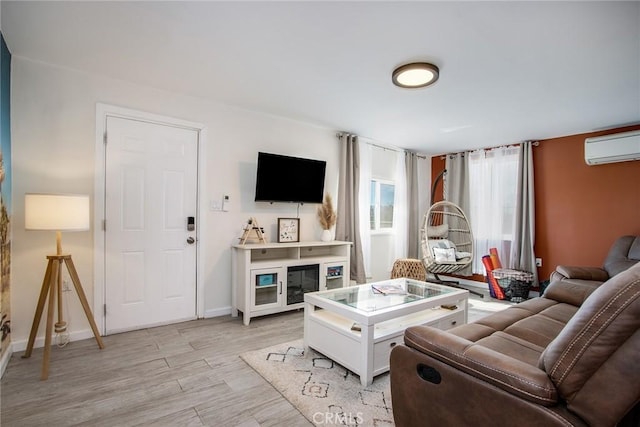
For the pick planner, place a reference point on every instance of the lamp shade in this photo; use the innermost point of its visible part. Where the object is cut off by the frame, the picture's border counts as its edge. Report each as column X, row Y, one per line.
column 59, row 212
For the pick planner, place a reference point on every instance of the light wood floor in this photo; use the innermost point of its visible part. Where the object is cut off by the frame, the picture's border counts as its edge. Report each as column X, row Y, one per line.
column 187, row 374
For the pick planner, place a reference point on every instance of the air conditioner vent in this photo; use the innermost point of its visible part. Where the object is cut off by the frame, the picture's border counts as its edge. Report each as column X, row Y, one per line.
column 617, row 147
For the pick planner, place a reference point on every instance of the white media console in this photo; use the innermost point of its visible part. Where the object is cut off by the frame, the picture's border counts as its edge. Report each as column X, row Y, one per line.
column 273, row 277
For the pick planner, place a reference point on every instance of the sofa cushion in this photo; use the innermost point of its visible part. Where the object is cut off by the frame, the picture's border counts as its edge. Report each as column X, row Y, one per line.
column 560, row 312
column 586, row 359
column 539, row 330
column 512, row 346
column 501, row 320
column 521, row 331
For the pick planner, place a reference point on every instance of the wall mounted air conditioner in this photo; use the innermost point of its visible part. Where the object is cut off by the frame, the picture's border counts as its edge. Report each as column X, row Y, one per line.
column 617, row 147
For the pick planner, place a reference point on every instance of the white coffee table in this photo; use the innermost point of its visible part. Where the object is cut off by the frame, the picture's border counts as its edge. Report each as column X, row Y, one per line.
column 330, row 316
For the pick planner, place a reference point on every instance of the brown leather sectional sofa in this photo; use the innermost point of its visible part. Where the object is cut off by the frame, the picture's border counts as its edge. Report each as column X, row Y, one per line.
column 569, row 358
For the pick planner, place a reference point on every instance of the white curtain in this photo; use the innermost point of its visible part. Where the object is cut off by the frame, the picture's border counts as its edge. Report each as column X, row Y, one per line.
column 364, row 201
column 493, row 183
column 400, row 209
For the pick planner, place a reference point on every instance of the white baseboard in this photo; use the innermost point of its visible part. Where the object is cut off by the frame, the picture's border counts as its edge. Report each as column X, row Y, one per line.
column 217, row 312
column 21, row 345
column 5, row 359
column 467, row 282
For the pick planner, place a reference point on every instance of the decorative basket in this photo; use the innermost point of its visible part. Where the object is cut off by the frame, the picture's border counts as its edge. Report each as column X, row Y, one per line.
column 515, row 284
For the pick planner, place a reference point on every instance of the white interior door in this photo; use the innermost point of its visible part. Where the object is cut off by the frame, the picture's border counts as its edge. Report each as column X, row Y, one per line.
column 150, row 253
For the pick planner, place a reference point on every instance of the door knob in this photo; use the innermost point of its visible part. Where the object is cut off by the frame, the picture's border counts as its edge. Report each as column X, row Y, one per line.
column 191, row 240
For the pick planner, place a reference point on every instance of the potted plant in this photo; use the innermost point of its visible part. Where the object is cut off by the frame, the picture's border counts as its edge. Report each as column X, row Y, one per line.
column 327, row 218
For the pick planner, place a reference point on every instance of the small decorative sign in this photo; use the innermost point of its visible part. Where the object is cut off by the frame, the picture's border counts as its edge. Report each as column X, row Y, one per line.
column 288, row 230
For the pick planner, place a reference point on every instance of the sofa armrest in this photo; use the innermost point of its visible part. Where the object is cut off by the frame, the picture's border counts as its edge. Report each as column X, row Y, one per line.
column 512, row 375
column 582, row 273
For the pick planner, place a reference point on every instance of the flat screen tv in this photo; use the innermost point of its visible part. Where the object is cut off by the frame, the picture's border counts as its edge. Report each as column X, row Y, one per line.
column 289, row 179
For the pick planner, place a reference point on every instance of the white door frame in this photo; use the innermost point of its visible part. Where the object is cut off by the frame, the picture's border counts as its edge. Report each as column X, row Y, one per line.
column 99, row 289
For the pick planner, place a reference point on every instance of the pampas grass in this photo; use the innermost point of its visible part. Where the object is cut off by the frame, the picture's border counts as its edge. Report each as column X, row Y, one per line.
column 326, row 214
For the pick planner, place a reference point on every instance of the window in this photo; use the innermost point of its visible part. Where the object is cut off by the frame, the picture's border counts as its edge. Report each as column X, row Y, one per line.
column 382, row 204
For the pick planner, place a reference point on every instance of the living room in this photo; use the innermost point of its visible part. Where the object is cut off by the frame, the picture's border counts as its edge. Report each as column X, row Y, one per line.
column 55, row 137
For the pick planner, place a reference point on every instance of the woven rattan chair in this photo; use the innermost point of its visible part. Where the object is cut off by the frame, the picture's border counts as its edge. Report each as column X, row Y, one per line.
column 447, row 241
column 409, row 268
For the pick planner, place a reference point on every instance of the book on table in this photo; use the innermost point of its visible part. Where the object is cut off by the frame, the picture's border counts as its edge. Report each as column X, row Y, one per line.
column 386, row 289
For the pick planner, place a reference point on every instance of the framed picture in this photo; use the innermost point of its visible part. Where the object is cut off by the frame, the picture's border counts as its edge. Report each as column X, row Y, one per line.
column 288, row 230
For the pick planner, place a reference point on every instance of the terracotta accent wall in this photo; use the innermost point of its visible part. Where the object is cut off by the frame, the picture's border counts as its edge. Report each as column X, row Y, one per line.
column 580, row 209
column 437, row 166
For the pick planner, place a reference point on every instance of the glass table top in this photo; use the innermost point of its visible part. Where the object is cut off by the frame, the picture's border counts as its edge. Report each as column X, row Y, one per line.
column 380, row 295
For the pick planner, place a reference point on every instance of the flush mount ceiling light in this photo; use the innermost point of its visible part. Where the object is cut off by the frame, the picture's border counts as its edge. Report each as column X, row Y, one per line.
column 415, row 75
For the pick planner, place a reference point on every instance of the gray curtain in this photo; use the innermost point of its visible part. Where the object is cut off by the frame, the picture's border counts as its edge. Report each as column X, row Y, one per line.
column 522, row 255
column 347, row 224
column 413, row 207
column 456, row 190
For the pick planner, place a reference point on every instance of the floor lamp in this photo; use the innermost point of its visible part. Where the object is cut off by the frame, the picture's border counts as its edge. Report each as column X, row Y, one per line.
column 57, row 212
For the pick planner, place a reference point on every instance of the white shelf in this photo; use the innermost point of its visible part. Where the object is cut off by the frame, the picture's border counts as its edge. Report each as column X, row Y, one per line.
column 275, row 258
column 389, row 328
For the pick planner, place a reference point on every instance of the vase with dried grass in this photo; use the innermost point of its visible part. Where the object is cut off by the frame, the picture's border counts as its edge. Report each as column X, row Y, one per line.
column 327, row 217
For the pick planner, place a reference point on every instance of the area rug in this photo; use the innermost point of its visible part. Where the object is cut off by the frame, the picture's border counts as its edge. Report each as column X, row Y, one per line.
column 322, row 390
column 325, row 392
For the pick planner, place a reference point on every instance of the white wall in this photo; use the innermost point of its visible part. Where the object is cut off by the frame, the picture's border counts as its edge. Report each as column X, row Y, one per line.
column 53, row 137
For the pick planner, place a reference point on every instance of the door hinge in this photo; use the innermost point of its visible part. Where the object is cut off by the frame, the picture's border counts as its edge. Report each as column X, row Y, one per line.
column 104, row 225
column 105, row 309
column 104, row 138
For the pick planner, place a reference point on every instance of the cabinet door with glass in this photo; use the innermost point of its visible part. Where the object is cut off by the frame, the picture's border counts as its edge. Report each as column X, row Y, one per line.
column 267, row 287
column 335, row 275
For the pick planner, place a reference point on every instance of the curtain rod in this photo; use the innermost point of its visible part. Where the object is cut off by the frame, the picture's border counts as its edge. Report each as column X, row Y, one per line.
column 534, row 143
column 383, row 147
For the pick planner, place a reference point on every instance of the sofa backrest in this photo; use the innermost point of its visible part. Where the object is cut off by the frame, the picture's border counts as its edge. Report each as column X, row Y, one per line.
column 594, row 360
column 624, row 253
